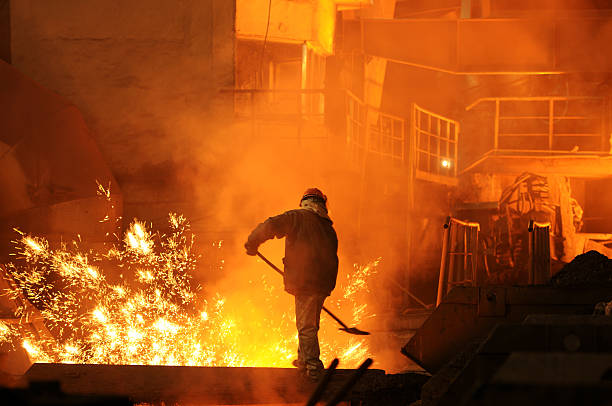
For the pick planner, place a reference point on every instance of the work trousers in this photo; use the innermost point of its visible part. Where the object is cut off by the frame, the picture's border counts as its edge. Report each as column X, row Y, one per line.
column 307, row 316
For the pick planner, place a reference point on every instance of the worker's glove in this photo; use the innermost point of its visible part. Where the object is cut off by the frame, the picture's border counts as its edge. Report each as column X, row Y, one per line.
column 251, row 249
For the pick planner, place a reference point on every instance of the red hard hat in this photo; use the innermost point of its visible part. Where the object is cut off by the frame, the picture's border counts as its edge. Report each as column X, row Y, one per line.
column 314, row 193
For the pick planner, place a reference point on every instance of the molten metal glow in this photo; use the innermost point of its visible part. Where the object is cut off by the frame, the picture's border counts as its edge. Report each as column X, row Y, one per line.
column 138, row 304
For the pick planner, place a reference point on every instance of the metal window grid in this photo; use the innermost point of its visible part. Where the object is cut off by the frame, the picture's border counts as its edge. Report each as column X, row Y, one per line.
column 369, row 131
column 436, row 143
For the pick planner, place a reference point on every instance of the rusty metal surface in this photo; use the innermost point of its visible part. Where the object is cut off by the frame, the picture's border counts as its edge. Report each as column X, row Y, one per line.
column 467, row 315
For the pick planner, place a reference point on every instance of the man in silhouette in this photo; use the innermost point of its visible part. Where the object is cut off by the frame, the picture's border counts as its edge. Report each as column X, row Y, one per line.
column 311, row 268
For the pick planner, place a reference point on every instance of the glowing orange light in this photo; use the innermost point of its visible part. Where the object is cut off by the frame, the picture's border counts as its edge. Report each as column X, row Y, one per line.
column 161, row 318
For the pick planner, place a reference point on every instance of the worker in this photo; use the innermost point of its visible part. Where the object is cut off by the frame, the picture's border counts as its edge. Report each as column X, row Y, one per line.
column 311, row 268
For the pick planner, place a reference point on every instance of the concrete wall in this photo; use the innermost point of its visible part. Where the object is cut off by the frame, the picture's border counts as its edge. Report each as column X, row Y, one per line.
column 5, row 31
column 145, row 74
column 289, row 20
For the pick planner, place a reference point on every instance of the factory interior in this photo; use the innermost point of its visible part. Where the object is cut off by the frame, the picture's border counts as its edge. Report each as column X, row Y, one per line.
column 462, row 150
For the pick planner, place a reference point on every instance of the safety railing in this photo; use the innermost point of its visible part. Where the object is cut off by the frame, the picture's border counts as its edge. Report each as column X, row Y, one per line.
column 426, row 144
column 436, row 145
column 370, row 131
column 356, row 113
column 539, row 253
column 281, row 113
column 551, row 124
column 459, row 261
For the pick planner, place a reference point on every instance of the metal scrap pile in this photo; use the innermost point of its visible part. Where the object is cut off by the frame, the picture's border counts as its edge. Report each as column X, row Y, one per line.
column 588, row 269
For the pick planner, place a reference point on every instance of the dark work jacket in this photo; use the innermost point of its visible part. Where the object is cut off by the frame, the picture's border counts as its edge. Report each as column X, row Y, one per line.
column 311, row 250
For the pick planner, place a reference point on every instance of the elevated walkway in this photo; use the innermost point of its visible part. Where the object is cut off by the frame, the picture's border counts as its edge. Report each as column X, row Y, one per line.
column 515, row 162
column 566, row 135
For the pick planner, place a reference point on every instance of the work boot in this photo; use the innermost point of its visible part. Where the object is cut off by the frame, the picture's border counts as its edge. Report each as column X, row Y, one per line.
column 315, row 375
column 298, row 364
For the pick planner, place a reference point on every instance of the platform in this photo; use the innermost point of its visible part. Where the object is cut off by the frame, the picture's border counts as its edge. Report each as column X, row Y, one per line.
column 220, row 385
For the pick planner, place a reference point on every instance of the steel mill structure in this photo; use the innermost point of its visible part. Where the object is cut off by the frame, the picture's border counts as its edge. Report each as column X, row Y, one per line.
column 465, row 148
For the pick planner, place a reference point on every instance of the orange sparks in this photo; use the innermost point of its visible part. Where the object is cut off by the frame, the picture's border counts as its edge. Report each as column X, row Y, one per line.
column 157, row 315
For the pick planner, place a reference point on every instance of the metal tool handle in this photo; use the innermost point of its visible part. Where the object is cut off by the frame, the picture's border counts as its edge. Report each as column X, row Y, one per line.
column 333, row 316
column 270, row 263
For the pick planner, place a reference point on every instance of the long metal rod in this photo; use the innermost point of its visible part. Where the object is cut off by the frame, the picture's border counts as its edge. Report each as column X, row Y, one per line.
column 350, row 330
column 531, row 264
column 496, row 130
column 350, row 383
column 318, row 392
column 282, row 273
column 551, row 130
column 532, row 98
column 406, row 291
column 443, row 277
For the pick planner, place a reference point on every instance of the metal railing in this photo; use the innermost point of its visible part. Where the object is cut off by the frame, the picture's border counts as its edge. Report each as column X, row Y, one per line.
column 436, row 145
column 460, row 251
column 459, row 261
column 370, row 131
column 282, row 113
column 539, row 253
column 356, row 114
column 551, row 124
